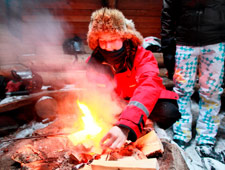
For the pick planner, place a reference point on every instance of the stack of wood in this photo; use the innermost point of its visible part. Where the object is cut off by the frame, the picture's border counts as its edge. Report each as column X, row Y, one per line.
column 140, row 155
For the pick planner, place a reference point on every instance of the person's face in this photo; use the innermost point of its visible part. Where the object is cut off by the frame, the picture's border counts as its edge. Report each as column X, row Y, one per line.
column 110, row 42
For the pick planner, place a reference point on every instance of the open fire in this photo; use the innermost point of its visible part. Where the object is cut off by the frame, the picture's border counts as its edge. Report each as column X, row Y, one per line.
column 91, row 128
column 81, row 147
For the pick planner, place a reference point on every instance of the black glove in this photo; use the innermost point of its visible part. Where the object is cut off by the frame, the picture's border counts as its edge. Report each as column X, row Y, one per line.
column 169, row 62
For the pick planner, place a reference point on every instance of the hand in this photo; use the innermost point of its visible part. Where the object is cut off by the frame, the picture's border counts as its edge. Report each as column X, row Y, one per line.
column 115, row 138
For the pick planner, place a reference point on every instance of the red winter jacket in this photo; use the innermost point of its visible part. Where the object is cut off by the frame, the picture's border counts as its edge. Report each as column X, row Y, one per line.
column 144, row 87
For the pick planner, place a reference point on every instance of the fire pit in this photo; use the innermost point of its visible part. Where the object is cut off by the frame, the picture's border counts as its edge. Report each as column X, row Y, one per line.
column 71, row 141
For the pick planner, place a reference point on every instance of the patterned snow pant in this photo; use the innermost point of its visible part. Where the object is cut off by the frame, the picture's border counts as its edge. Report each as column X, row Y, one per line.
column 208, row 62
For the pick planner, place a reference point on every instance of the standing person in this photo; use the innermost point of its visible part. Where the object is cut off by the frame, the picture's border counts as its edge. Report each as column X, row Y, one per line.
column 193, row 36
column 117, row 45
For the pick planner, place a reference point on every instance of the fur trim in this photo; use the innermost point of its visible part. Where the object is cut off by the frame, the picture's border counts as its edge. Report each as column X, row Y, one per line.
column 112, row 21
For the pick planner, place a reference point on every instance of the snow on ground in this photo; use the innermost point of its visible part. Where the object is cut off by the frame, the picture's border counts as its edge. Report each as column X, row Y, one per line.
column 193, row 160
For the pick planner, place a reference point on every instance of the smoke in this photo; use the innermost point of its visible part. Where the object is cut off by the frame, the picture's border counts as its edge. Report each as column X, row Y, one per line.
column 36, row 35
column 98, row 94
column 31, row 32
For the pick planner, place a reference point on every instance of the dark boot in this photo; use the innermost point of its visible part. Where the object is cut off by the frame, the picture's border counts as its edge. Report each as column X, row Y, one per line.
column 181, row 143
column 222, row 153
column 207, row 150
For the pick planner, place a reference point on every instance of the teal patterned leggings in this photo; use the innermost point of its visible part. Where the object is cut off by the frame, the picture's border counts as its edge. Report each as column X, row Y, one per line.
column 207, row 63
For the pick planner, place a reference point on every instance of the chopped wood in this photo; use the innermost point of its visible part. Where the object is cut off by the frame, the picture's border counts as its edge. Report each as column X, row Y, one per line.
column 150, row 144
column 146, row 164
column 77, row 158
column 137, row 154
column 128, row 150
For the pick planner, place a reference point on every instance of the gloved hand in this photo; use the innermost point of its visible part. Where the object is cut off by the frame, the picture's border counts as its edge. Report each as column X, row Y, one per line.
column 169, row 62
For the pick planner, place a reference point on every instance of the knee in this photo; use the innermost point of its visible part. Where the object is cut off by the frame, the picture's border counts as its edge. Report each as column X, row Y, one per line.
column 165, row 114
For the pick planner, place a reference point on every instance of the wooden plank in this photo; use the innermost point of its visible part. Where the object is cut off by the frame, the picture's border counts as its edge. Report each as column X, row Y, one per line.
column 33, row 18
column 76, row 26
column 15, row 102
column 68, row 4
column 148, row 30
column 76, row 30
column 150, row 144
column 145, row 164
column 59, row 11
column 140, row 4
column 153, row 20
column 141, row 12
column 151, row 34
column 146, row 25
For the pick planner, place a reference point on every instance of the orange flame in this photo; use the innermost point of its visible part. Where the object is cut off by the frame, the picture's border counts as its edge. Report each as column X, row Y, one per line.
column 91, row 128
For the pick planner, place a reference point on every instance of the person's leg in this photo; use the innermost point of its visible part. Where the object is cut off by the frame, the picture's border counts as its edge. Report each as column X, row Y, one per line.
column 165, row 113
column 184, row 79
column 210, row 79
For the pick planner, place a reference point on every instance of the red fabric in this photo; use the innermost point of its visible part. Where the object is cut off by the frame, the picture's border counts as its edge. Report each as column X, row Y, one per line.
column 143, row 85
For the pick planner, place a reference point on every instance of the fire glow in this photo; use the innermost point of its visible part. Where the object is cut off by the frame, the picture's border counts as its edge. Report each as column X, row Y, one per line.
column 91, row 128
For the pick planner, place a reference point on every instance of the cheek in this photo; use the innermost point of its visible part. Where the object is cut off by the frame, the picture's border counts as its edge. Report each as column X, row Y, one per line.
column 118, row 44
column 102, row 45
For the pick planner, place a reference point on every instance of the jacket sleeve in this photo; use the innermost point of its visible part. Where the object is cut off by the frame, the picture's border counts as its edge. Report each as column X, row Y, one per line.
column 168, row 21
column 145, row 96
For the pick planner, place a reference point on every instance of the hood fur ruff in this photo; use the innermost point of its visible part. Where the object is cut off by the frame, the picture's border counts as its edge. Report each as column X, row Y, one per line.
column 111, row 21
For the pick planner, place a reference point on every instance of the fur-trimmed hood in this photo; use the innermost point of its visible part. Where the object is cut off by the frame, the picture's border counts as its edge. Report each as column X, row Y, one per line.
column 111, row 21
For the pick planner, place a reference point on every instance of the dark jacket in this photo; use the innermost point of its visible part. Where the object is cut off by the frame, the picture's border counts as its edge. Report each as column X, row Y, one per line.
column 192, row 22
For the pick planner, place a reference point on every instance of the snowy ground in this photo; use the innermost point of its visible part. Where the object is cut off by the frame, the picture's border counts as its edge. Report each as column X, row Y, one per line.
column 194, row 162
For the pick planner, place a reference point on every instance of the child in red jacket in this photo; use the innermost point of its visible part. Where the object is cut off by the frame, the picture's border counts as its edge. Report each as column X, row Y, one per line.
column 116, row 46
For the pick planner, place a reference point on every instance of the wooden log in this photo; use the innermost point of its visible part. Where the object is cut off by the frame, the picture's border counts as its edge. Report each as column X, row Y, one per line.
column 62, row 4
column 145, row 164
column 159, row 58
column 150, row 144
column 141, row 12
column 46, row 108
column 140, row 4
column 33, row 18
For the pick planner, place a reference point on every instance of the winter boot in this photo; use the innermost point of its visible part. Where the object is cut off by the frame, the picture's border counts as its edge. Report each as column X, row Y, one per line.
column 207, row 150
column 181, row 143
column 222, row 153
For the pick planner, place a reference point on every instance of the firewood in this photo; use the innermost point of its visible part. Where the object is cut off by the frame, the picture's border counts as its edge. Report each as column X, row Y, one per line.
column 77, row 158
column 146, row 164
column 137, row 154
column 150, row 144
